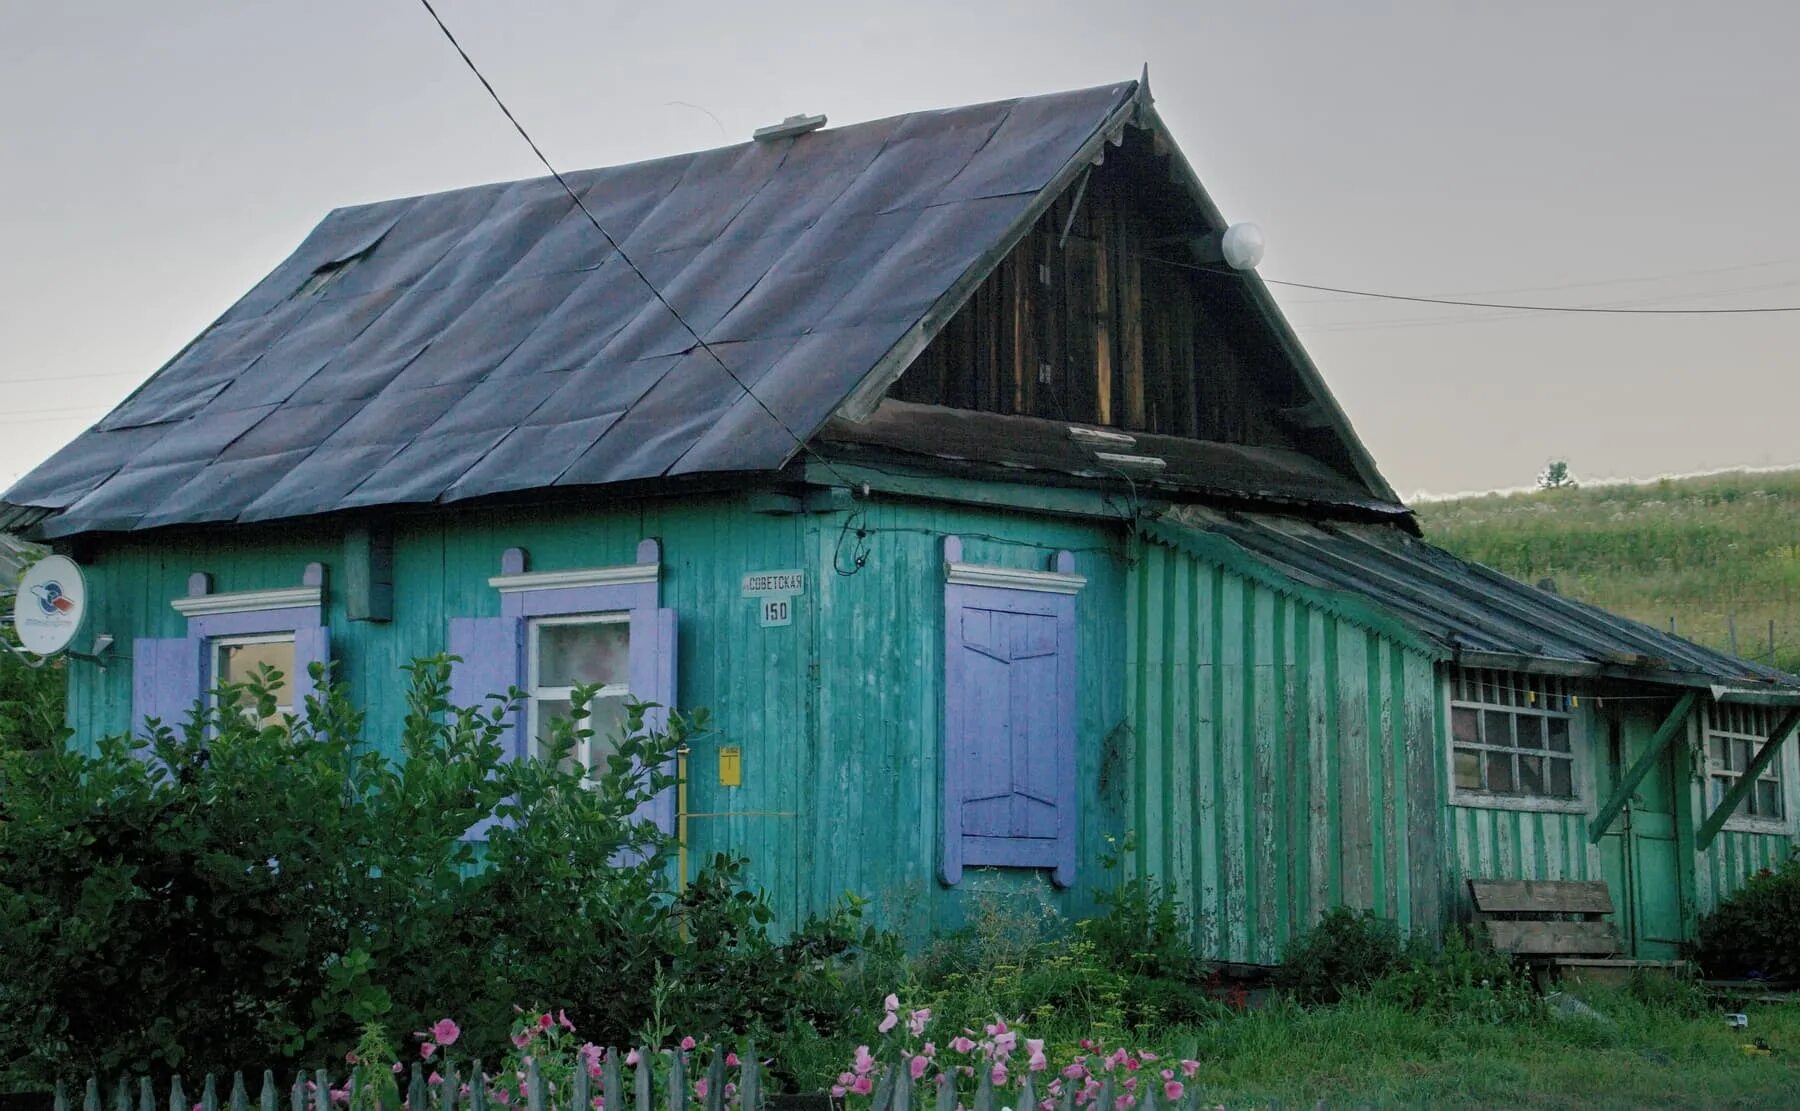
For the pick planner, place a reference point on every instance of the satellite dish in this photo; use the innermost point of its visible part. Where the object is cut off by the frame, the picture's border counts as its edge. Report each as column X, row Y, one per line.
column 1242, row 246
column 51, row 602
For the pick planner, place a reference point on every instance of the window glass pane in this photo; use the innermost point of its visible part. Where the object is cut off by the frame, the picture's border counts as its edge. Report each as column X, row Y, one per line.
column 1768, row 799
column 1468, row 770
column 549, row 711
column 1499, row 771
column 1531, row 730
column 1720, row 785
column 1497, row 728
column 1740, row 754
column 1531, row 775
column 238, row 663
column 1559, row 734
column 596, row 652
column 1562, row 778
column 1463, row 726
column 607, row 720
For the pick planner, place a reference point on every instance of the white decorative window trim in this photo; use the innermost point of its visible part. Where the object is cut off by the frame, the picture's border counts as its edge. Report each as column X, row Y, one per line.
column 1459, row 681
column 1787, row 767
column 1013, row 578
column 247, row 601
column 622, row 575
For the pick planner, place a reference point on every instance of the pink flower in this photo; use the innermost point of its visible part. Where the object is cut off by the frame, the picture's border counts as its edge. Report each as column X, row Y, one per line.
column 916, row 1022
column 1146, row 1055
column 1168, row 1074
column 998, row 1074
column 562, row 1020
column 1132, row 1064
column 434, row 1078
column 700, row 1088
column 846, row 1078
column 864, row 1063
column 445, row 1031
column 632, row 1058
column 1075, row 1071
column 837, row 1091
column 426, row 1049
column 929, row 1050
column 397, row 1067
column 917, row 1065
column 891, row 1003
column 861, row 1085
column 1005, row 1041
column 1172, row 1090
column 887, row 1023
column 350, row 1057
column 961, row 1044
column 501, row 1095
column 1189, row 1068
column 523, row 1038
column 688, row 1042
column 731, row 1060
column 544, row 1021
column 1037, row 1062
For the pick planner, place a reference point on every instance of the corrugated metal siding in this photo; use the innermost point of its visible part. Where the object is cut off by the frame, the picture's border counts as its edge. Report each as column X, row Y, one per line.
column 838, row 715
column 1284, row 760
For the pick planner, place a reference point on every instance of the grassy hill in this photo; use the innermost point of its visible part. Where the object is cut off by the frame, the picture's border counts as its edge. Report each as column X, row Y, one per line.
column 1700, row 550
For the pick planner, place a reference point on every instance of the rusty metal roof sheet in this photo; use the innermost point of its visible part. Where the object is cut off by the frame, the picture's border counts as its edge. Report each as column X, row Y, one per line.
column 1474, row 613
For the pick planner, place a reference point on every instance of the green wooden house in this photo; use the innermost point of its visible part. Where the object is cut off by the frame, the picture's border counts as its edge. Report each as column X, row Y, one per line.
column 988, row 510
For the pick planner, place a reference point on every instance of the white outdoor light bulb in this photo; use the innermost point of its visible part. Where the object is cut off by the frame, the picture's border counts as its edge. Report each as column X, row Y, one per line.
column 1242, row 245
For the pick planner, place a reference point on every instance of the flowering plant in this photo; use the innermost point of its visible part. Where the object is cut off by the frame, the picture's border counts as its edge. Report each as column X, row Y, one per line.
column 999, row 1059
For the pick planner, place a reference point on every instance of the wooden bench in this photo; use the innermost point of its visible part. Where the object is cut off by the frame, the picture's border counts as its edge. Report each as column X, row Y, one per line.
column 1546, row 920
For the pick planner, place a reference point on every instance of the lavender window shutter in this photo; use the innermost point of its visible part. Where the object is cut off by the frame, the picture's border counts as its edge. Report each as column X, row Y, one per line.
column 490, row 651
column 311, row 646
column 167, row 679
column 653, row 680
column 489, row 665
column 1009, row 716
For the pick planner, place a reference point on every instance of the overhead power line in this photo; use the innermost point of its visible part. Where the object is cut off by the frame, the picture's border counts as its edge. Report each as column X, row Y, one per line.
column 1240, row 275
column 619, row 250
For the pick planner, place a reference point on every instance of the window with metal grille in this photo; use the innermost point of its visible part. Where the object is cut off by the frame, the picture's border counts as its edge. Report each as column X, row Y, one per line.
column 1734, row 735
column 1512, row 734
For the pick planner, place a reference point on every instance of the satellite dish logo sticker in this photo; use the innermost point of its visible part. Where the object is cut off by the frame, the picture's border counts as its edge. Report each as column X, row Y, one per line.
column 51, row 599
column 48, row 608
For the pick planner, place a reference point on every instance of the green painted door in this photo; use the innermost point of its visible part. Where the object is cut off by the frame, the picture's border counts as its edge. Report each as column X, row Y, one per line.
column 1651, row 858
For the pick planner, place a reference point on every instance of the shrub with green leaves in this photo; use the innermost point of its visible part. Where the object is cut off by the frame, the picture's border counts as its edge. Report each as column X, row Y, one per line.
column 1347, row 950
column 1464, row 980
column 232, row 895
column 1755, row 933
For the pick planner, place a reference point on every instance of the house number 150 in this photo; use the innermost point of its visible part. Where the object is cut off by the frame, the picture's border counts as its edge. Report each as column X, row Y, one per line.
column 777, row 611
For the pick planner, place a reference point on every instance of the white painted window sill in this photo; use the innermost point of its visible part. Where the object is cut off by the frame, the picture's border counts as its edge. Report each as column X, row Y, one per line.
column 1476, row 800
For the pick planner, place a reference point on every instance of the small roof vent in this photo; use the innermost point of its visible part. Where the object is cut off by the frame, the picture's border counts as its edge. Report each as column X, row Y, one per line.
column 788, row 128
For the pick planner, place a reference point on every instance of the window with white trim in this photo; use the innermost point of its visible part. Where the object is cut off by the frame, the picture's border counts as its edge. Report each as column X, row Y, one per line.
column 1734, row 735
column 1511, row 735
column 565, row 652
column 237, row 659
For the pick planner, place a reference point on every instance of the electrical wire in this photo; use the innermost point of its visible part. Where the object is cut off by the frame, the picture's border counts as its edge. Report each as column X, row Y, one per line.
column 619, row 250
column 1240, row 275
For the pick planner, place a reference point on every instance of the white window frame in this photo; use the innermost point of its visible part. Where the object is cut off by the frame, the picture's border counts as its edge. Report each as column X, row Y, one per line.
column 587, row 747
column 1724, row 721
column 1549, row 690
column 215, row 650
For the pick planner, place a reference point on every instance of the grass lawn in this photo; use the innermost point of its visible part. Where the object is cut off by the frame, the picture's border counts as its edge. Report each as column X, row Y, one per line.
column 1361, row 1053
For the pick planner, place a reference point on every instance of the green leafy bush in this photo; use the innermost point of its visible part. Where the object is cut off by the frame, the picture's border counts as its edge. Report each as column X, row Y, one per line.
column 1347, row 950
column 1755, row 934
column 1464, row 980
column 233, row 895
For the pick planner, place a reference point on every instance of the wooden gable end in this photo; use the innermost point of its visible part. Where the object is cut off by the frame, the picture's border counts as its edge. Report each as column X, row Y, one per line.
column 1101, row 315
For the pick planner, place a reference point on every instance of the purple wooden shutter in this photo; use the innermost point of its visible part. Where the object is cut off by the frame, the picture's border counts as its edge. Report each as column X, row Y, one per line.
column 166, row 680
column 311, row 645
column 491, row 654
column 653, row 680
column 1009, row 730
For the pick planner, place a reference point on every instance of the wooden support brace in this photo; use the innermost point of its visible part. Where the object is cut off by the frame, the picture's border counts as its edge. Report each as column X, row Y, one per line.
column 1746, row 781
column 1665, row 734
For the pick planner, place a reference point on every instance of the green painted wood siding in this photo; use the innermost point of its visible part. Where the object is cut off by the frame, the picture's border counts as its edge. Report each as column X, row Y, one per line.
column 837, row 715
column 1284, row 760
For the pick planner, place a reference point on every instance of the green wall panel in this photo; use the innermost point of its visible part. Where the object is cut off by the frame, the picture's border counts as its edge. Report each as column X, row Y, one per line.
column 837, row 715
column 1283, row 760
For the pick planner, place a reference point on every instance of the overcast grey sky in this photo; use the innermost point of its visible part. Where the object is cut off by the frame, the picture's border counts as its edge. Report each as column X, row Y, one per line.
column 160, row 158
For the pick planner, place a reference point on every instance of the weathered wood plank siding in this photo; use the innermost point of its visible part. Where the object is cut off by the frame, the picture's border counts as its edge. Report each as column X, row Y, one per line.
column 1735, row 854
column 1284, row 758
column 837, row 715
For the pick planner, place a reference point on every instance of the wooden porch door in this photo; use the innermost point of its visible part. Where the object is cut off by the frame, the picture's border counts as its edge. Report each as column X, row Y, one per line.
column 1643, row 857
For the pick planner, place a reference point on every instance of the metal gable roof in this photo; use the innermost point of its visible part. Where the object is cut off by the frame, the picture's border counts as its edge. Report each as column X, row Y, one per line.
column 486, row 340
column 1473, row 613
